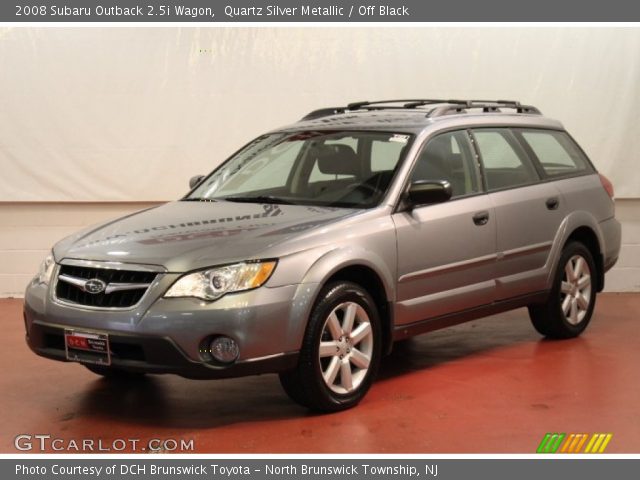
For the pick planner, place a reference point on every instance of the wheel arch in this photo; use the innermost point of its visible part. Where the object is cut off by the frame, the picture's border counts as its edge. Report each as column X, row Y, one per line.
column 579, row 226
column 368, row 279
column 587, row 236
column 365, row 269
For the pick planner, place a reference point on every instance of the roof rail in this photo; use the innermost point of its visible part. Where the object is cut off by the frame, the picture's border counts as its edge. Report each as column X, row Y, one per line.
column 440, row 107
column 323, row 112
column 410, row 101
column 487, row 106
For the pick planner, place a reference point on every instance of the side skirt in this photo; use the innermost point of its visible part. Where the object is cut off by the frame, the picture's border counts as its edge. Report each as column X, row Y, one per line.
column 401, row 332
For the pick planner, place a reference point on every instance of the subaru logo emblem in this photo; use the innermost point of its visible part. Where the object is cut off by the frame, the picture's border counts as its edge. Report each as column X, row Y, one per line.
column 94, row 286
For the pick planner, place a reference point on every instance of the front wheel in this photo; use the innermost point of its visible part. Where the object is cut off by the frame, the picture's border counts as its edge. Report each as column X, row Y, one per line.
column 573, row 295
column 341, row 350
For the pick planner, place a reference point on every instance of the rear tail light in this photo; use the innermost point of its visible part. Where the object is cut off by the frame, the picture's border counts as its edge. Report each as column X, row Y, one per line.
column 608, row 186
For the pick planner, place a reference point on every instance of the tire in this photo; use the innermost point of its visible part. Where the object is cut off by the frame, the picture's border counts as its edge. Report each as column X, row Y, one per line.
column 572, row 299
column 345, row 318
column 114, row 374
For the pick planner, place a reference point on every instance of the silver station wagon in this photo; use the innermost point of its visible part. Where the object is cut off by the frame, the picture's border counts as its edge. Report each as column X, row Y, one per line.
column 315, row 247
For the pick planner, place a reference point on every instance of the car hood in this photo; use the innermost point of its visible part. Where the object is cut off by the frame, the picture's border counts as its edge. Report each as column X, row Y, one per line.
column 183, row 236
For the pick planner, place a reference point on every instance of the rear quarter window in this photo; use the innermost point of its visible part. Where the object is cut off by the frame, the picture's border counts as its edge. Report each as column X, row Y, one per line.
column 556, row 152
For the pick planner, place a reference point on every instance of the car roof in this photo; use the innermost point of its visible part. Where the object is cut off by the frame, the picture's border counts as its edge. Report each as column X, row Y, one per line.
column 415, row 116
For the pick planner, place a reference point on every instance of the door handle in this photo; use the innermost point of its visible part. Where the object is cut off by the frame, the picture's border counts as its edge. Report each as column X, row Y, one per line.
column 481, row 218
column 552, row 203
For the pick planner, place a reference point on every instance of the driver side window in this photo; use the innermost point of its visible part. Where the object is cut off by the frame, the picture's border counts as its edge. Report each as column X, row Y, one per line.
column 448, row 156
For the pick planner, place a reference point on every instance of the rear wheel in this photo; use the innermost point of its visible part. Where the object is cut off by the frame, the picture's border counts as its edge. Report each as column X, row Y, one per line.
column 573, row 295
column 340, row 352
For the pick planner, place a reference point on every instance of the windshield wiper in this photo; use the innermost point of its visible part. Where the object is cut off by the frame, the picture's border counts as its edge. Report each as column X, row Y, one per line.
column 258, row 199
column 198, row 199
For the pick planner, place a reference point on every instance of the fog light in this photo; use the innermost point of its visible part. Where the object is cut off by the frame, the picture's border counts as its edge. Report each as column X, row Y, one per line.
column 225, row 349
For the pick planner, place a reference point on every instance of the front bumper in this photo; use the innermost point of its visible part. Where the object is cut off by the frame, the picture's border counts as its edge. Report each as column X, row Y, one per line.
column 149, row 354
column 168, row 335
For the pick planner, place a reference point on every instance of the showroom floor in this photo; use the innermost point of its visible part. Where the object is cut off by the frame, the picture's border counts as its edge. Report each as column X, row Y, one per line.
column 488, row 386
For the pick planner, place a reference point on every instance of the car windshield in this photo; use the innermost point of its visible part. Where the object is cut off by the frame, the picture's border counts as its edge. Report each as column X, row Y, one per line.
column 325, row 168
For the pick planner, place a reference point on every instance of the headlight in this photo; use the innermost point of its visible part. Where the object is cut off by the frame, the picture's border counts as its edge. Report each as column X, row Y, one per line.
column 46, row 269
column 214, row 283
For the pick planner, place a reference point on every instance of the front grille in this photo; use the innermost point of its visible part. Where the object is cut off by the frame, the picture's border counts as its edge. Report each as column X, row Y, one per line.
column 118, row 299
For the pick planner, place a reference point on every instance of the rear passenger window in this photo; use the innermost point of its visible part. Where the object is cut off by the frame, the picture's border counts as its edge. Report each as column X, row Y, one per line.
column 556, row 152
column 505, row 163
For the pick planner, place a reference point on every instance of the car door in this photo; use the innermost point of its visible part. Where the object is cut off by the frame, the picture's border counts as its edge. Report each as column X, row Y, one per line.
column 447, row 251
column 528, row 212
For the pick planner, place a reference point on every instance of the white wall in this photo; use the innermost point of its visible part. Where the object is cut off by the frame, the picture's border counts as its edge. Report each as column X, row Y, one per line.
column 85, row 110
column 625, row 275
column 28, row 230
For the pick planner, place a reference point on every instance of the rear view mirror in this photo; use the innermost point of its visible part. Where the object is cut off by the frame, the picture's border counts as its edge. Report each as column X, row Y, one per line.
column 195, row 181
column 425, row 192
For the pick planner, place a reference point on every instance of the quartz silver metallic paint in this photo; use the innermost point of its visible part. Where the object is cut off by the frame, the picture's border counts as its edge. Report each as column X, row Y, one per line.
column 433, row 263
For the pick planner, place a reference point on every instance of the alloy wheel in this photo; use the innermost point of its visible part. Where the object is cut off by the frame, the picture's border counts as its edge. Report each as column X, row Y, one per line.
column 346, row 347
column 575, row 289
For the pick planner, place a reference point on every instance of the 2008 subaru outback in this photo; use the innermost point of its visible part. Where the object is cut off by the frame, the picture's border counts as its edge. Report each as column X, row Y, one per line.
column 315, row 247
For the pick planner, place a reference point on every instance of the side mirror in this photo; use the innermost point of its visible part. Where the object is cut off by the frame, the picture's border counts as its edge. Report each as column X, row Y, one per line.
column 195, row 181
column 426, row 192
